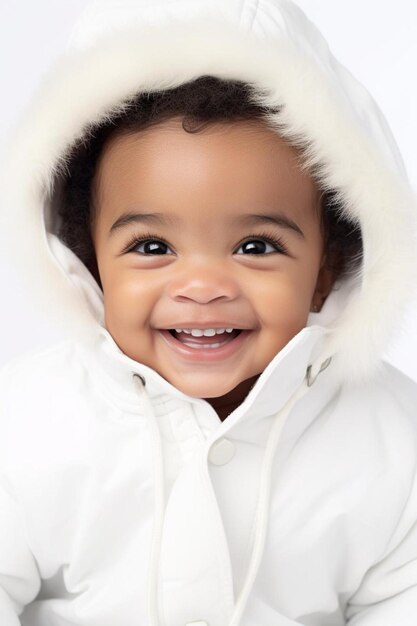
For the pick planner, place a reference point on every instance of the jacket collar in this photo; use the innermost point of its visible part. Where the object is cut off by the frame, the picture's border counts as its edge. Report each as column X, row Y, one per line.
column 280, row 379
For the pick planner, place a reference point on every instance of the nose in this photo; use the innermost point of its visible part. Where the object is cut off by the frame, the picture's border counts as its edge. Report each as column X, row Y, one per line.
column 204, row 283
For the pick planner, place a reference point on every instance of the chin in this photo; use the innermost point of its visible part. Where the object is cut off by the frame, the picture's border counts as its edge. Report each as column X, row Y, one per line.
column 203, row 390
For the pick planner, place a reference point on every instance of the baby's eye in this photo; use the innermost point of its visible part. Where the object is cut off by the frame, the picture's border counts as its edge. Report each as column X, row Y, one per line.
column 150, row 247
column 257, row 246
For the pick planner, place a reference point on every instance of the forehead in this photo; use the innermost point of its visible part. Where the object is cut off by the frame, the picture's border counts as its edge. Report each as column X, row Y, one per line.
column 227, row 167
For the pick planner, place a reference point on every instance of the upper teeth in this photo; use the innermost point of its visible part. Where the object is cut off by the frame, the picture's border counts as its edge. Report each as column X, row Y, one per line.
column 207, row 332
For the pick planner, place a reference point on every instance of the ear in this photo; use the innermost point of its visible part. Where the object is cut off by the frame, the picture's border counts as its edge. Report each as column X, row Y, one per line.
column 93, row 268
column 325, row 280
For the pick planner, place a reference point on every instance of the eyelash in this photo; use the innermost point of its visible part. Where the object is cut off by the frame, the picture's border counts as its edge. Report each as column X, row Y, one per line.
column 275, row 241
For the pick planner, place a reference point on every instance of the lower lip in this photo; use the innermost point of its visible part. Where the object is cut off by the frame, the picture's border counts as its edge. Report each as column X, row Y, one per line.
column 206, row 354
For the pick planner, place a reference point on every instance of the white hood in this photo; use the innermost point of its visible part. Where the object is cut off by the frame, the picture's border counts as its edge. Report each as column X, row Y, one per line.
column 122, row 47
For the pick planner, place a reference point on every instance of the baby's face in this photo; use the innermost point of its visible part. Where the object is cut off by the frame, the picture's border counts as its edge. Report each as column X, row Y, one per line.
column 207, row 259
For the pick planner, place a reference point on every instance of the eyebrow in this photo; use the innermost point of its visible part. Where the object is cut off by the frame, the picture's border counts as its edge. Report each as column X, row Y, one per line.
column 271, row 218
column 143, row 218
column 161, row 219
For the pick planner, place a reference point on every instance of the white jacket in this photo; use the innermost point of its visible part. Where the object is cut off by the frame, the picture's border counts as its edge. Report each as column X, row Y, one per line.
column 125, row 502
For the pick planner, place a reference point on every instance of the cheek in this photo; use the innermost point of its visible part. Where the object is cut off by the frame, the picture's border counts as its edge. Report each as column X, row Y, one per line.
column 129, row 299
column 282, row 303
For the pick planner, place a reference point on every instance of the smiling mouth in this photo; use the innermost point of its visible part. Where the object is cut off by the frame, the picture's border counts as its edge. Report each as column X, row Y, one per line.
column 216, row 341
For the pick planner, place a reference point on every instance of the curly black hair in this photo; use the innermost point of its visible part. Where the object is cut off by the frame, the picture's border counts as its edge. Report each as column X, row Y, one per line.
column 200, row 102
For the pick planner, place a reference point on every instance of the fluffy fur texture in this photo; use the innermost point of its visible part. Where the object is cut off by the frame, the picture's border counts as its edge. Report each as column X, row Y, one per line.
column 343, row 134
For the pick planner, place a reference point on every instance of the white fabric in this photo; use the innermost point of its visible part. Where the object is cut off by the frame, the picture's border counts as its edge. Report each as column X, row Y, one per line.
column 111, row 512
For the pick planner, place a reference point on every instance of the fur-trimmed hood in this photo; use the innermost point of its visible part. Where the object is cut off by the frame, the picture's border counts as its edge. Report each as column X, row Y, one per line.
column 121, row 47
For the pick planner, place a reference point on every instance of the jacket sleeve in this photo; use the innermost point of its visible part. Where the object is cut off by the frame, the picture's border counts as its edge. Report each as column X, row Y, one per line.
column 387, row 595
column 19, row 575
column 20, row 580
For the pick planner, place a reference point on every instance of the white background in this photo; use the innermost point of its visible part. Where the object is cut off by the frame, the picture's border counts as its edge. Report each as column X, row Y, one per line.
column 376, row 40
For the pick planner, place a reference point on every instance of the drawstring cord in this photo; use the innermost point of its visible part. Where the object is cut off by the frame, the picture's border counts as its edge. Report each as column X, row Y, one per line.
column 159, row 503
column 263, row 501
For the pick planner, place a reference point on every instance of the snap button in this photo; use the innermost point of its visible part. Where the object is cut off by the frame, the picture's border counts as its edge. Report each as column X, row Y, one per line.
column 221, row 451
column 199, row 622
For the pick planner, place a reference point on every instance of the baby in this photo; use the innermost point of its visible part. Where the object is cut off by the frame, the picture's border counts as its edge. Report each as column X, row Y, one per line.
column 217, row 440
